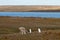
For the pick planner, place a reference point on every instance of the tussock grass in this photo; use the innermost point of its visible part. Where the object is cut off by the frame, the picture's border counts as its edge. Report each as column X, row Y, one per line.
column 9, row 28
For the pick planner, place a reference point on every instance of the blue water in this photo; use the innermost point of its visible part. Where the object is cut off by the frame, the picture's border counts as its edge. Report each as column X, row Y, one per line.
column 32, row 14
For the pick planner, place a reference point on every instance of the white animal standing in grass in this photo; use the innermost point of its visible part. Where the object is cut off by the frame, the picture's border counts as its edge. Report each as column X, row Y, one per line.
column 30, row 31
column 22, row 30
column 39, row 30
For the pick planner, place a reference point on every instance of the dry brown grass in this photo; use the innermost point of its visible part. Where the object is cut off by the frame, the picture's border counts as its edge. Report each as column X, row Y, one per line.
column 9, row 28
column 49, row 35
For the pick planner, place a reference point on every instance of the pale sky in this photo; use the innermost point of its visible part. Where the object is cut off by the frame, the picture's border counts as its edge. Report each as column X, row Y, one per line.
column 29, row 2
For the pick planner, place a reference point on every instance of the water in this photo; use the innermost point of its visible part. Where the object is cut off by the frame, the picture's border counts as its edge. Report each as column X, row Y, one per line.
column 32, row 14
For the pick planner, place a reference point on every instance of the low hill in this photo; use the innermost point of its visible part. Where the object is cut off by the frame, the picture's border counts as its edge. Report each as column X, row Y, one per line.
column 29, row 8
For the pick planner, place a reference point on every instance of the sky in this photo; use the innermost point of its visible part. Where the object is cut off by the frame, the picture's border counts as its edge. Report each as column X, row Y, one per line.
column 29, row 2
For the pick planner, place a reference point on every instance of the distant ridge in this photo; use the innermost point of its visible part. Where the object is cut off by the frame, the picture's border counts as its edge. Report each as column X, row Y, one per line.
column 22, row 8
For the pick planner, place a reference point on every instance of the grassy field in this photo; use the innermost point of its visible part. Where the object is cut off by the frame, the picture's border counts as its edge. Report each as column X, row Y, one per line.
column 9, row 28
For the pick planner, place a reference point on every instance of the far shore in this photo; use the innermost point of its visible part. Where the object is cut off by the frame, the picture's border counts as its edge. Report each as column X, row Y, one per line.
column 29, row 8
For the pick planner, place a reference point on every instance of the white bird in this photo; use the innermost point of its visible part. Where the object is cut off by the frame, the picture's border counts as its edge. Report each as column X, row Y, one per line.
column 30, row 31
column 39, row 30
column 22, row 30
